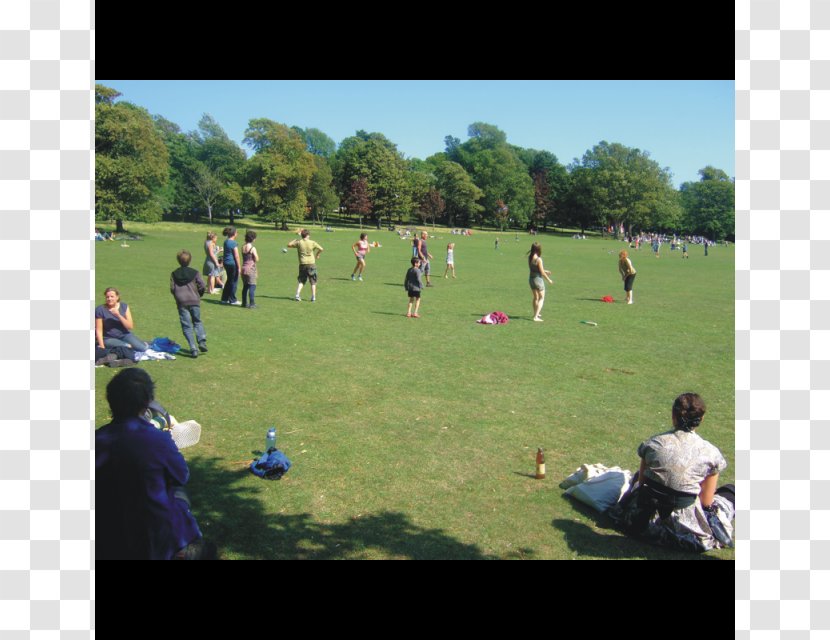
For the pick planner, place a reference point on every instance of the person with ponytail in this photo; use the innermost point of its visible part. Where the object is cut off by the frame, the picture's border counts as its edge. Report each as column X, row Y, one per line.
column 675, row 500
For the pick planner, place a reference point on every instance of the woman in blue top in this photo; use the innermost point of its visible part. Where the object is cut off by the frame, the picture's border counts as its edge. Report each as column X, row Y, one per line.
column 114, row 323
column 232, row 262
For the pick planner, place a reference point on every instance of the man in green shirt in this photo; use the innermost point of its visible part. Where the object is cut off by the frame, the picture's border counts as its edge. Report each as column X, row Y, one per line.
column 308, row 251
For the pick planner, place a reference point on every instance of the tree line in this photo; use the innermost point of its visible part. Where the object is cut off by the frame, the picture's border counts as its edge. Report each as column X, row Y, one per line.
column 147, row 166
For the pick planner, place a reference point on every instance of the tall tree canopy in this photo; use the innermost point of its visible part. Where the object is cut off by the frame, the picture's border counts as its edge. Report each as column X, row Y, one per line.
column 621, row 185
column 317, row 142
column 373, row 157
column 709, row 204
column 280, row 171
column 130, row 161
column 497, row 170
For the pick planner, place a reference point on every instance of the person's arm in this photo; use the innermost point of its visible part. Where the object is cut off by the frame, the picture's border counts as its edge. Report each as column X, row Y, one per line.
column 99, row 332
column 641, row 478
column 354, row 247
column 126, row 320
column 214, row 254
column 292, row 244
column 200, row 284
column 256, row 255
column 318, row 251
column 707, row 490
column 545, row 274
column 238, row 261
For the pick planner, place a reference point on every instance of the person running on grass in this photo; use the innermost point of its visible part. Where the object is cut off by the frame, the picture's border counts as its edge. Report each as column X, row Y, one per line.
column 307, row 251
column 538, row 275
column 413, row 284
column 360, row 249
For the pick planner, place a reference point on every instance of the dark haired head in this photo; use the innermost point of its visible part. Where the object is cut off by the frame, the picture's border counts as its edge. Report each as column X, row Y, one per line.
column 250, row 236
column 687, row 411
column 414, row 261
column 362, row 236
column 129, row 393
column 229, row 232
column 304, row 233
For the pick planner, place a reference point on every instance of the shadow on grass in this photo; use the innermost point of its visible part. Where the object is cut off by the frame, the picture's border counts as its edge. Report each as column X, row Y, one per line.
column 595, row 300
column 233, row 518
column 584, row 541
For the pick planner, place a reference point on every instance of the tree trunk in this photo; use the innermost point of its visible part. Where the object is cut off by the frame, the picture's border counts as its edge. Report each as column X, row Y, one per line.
column 210, row 214
column 119, row 226
column 230, row 222
column 284, row 225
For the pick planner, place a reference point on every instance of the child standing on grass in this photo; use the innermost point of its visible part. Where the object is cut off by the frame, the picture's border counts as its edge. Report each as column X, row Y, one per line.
column 450, row 259
column 413, row 284
column 187, row 288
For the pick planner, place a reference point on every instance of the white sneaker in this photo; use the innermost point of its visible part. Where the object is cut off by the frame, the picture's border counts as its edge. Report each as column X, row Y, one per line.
column 238, row 303
column 297, row 299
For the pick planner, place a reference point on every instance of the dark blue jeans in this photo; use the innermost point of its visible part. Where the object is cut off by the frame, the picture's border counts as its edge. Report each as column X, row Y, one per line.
column 229, row 290
column 191, row 318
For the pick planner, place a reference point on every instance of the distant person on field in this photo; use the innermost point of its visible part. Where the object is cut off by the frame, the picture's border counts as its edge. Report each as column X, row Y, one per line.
column 655, row 247
column 497, row 243
column 143, row 509
column 187, row 288
column 538, row 275
column 413, row 285
column 628, row 272
column 231, row 260
column 685, row 249
column 250, row 257
column 360, row 249
column 424, row 256
column 212, row 268
column 450, row 259
column 114, row 323
column 307, row 252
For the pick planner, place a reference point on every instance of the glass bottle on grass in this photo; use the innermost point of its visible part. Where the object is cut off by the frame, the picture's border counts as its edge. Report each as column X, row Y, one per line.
column 271, row 439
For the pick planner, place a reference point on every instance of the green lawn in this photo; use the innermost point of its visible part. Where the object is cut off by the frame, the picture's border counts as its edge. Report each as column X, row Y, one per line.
column 417, row 438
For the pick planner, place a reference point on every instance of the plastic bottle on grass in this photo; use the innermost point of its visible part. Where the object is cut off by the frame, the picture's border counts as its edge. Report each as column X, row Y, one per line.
column 271, row 439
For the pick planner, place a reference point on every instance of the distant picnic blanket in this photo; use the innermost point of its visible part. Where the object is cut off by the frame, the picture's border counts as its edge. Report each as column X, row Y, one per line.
column 496, row 317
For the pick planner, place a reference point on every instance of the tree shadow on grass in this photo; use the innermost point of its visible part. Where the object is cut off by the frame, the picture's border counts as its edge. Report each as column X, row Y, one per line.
column 584, row 541
column 233, row 518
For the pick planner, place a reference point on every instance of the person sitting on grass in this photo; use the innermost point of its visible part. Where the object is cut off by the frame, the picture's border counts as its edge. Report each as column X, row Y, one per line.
column 143, row 511
column 674, row 499
column 187, row 288
column 114, row 323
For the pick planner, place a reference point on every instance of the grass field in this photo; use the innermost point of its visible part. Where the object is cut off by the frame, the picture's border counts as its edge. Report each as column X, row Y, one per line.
column 417, row 438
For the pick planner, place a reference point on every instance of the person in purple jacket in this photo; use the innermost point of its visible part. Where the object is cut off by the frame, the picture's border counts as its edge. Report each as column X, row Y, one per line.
column 142, row 510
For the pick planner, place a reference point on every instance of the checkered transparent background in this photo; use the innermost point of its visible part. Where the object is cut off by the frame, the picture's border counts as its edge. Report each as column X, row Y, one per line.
column 782, row 350
column 46, row 194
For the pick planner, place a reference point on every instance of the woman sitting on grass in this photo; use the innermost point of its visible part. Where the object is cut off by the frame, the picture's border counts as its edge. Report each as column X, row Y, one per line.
column 114, row 323
column 674, row 500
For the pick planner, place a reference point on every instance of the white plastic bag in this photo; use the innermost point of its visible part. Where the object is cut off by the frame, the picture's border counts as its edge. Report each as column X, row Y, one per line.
column 602, row 491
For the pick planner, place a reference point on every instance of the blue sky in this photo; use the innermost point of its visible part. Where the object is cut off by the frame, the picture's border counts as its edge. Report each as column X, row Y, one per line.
column 684, row 125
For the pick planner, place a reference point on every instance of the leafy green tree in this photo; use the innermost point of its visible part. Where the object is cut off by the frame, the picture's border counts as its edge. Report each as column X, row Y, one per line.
column 497, row 170
column 177, row 196
column 624, row 186
column 280, row 170
column 131, row 161
column 550, row 184
column 317, row 142
column 709, row 204
column 459, row 192
column 218, row 163
column 322, row 197
column 373, row 157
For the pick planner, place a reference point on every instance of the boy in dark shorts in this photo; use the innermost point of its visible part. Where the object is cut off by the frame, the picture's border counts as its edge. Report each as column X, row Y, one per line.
column 413, row 284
